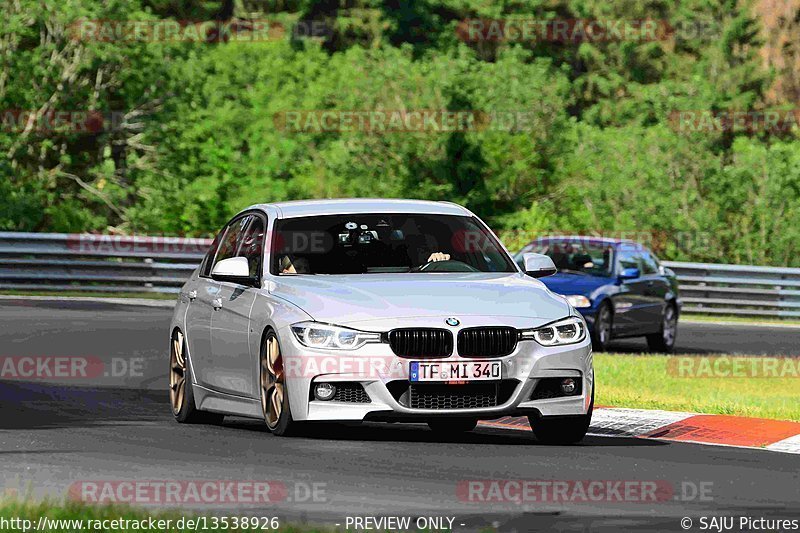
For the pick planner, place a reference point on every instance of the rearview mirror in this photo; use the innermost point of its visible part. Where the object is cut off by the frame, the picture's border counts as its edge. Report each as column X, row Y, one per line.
column 538, row 265
column 629, row 273
column 233, row 269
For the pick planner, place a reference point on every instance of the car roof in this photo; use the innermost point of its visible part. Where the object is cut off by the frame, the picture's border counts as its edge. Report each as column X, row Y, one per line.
column 304, row 208
column 587, row 239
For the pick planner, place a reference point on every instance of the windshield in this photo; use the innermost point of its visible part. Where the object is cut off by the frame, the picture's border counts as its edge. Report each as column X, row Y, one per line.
column 385, row 243
column 577, row 256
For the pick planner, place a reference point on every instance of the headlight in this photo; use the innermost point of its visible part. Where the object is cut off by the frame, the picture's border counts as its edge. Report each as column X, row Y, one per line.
column 329, row 337
column 568, row 331
column 576, row 301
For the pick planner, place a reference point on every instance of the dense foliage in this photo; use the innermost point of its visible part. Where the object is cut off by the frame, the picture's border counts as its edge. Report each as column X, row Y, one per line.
column 192, row 131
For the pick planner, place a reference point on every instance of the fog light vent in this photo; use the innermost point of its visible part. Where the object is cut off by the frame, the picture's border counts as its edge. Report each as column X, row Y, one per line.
column 568, row 386
column 548, row 388
column 324, row 391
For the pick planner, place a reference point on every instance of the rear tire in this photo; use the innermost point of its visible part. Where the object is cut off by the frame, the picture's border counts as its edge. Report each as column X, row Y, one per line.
column 603, row 324
column 452, row 425
column 664, row 340
column 180, row 384
column 562, row 429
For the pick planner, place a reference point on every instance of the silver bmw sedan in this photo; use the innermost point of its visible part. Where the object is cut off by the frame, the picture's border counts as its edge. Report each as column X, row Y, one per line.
column 382, row 310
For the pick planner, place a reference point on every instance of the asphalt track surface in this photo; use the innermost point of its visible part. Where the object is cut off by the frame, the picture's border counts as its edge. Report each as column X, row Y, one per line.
column 118, row 427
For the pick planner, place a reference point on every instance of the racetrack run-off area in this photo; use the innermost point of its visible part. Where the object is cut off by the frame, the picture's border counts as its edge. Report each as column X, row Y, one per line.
column 119, row 428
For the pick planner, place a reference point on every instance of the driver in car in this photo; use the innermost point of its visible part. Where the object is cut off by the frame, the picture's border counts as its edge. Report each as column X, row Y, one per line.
column 438, row 256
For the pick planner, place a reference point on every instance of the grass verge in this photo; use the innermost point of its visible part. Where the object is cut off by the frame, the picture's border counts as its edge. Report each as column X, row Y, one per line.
column 647, row 382
column 740, row 319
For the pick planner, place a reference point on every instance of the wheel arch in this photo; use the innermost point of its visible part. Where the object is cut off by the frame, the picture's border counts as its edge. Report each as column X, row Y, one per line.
column 187, row 355
column 267, row 329
column 605, row 299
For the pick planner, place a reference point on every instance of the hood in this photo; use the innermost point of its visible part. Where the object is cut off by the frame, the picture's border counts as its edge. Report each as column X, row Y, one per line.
column 345, row 299
column 566, row 284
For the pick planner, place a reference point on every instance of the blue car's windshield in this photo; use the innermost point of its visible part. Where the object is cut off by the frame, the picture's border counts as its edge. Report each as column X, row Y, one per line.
column 385, row 243
column 578, row 256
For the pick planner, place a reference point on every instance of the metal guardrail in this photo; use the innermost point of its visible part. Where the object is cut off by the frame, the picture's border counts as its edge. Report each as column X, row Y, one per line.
column 108, row 263
column 99, row 263
column 738, row 289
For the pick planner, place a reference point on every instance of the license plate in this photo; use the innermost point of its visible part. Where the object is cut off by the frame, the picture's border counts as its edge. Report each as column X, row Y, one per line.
column 455, row 371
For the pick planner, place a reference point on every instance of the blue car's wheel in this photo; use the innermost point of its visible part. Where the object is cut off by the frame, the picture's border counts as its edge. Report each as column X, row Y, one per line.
column 601, row 333
column 664, row 340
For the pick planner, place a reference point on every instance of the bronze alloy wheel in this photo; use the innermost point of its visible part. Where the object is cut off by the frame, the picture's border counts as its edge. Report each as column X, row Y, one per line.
column 272, row 382
column 177, row 373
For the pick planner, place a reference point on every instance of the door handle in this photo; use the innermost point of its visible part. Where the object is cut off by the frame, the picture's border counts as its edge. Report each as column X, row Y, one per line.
column 192, row 295
column 217, row 303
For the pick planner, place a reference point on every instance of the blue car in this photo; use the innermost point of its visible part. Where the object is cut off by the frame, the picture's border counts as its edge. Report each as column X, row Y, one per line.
column 619, row 287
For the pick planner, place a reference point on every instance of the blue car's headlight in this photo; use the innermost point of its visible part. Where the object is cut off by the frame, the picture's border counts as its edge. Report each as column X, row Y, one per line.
column 330, row 337
column 568, row 331
column 578, row 301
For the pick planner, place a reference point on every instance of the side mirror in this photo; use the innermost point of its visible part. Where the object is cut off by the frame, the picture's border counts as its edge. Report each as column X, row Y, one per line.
column 538, row 265
column 629, row 273
column 233, row 269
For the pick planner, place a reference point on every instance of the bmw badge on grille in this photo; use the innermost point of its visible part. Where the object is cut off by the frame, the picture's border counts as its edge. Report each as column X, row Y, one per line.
column 452, row 321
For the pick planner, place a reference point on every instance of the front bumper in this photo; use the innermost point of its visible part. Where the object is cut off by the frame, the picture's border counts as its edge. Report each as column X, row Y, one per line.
column 380, row 372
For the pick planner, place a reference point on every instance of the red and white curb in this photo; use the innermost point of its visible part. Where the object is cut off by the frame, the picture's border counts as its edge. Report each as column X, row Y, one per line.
column 774, row 435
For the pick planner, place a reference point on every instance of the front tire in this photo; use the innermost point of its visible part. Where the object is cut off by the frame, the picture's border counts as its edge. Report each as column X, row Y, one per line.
column 181, row 395
column 274, row 396
column 603, row 323
column 664, row 340
column 562, row 429
column 452, row 425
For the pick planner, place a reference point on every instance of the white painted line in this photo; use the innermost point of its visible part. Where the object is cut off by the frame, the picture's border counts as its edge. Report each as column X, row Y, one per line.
column 790, row 445
column 632, row 422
